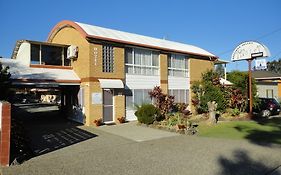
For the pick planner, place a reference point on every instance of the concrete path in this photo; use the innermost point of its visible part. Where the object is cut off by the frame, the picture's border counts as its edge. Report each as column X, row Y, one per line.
column 137, row 133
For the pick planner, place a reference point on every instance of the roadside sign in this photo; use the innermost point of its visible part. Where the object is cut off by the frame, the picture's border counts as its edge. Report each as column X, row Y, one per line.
column 260, row 64
column 249, row 50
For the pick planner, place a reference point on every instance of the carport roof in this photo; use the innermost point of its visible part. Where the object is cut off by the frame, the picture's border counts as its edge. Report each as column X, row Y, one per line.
column 23, row 74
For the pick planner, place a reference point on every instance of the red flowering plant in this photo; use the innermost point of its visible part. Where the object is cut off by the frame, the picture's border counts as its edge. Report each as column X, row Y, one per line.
column 162, row 101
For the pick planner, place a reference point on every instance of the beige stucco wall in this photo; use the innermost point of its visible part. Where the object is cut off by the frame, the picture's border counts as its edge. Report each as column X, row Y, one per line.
column 196, row 68
column 164, row 72
column 70, row 36
column 96, row 63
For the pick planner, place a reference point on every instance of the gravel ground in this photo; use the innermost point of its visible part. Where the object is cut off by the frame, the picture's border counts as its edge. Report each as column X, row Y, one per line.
column 111, row 154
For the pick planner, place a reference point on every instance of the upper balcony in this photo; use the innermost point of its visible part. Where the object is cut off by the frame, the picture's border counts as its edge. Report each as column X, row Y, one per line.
column 41, row 54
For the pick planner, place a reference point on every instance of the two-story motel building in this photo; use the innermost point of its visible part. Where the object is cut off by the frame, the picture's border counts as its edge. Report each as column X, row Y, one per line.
column 112, row 70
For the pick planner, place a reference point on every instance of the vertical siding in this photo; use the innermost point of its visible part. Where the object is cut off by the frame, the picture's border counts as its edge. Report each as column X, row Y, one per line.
column 261, row 88
column 142, row 82
column 178, row 83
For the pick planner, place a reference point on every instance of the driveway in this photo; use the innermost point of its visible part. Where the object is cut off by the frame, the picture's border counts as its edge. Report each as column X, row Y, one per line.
column 109, row 153
column 138, row 134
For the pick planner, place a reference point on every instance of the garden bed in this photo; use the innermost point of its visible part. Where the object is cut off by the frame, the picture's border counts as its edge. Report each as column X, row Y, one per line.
column 192, row 130
column 190, row 125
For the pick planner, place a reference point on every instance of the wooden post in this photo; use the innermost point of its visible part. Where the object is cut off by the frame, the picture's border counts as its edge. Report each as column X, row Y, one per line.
column 250, row 89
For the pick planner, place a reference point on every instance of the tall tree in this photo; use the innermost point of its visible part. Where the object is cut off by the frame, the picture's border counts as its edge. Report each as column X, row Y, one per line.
column 274, row 66
column 4, row 82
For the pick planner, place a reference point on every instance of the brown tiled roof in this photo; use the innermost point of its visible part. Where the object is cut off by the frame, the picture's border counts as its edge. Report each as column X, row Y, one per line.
column 265, row 75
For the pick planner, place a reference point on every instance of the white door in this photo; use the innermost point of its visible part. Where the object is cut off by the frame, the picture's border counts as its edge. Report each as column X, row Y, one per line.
column 107, row 105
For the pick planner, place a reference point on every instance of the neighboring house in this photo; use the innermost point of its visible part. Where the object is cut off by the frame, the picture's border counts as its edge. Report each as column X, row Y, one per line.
column 109, row 70
column 223, row 80
column 268, row 84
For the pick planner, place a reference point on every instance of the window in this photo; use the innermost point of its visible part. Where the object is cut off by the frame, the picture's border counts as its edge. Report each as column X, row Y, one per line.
column 49, row 55
column 181, row 95
column 177, row 65
column 269, row 93
column 136, row 97
column 107, row 58
column 35, row 54
column 142, row 61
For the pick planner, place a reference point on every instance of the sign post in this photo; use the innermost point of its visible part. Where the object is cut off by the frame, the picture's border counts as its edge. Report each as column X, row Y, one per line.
column 250, row 88
column 249, row 51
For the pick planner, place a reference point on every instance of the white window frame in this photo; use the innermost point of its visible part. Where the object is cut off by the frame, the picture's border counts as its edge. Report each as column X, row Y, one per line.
column 133, row 98
column 133, row 65
column 40, row 54
column 186, row 94
column 173, row 69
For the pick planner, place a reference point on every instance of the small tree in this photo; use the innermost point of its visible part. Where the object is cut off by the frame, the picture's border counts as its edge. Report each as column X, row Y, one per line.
column 162, row 101
column 208, row 90
column 4, row 82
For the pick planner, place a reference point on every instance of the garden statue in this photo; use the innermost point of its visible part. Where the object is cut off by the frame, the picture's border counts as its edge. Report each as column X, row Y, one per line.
column 212, row 107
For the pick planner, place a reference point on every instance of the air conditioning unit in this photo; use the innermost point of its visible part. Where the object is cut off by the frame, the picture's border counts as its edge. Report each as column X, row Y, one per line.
column 72, row 52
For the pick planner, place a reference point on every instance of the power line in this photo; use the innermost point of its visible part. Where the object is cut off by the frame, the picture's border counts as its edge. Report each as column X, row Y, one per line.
column 258, row 38
column 268, row 34
column 277, row 54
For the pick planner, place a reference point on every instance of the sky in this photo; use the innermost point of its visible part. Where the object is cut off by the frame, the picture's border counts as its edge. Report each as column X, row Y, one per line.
column 217, row 26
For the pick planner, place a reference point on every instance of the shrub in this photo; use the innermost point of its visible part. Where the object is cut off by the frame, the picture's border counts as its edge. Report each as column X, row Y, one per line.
column 172, row 121
column 147, row 113
column 235, row 112
column 5, row 82
column 179, row 107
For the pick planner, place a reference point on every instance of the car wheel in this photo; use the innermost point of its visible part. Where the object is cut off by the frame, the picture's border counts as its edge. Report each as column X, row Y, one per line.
column 265, row 113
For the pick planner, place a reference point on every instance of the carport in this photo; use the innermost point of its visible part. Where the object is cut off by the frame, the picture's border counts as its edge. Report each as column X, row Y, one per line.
column 45, row 102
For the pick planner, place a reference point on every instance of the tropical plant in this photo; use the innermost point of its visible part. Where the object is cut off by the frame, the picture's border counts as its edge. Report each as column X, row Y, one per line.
column 235, row 112
column 98, row 122
column 162, row 101
column 240, row 90
column 121, row 119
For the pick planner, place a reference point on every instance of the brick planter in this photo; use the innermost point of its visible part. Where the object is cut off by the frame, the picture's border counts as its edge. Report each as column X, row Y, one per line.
column 5, row 134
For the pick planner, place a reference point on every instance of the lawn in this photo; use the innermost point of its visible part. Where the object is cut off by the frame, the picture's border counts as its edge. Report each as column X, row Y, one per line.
column 266, row 131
